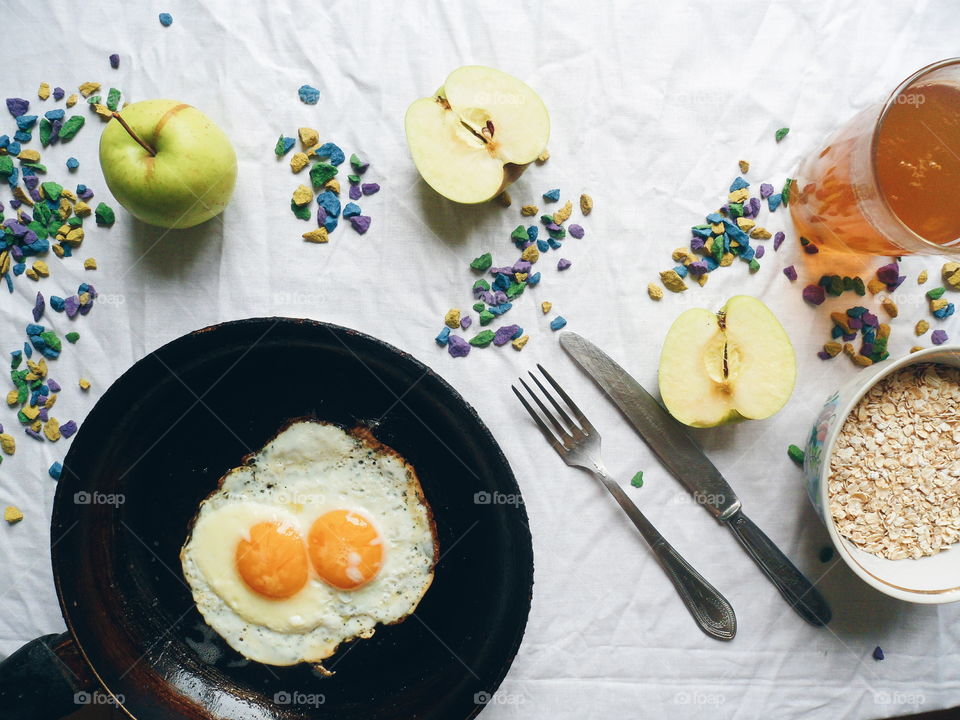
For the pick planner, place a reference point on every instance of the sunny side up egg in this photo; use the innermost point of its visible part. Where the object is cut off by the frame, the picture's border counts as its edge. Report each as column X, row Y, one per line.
column 319, row 537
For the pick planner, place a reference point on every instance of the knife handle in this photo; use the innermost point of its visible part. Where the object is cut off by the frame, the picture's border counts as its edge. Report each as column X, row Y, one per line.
column 792, row 584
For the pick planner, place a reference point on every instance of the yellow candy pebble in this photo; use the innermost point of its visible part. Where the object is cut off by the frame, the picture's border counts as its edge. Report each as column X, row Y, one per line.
column 726, row 260
column 302, row 195
column 938, row 304
column 739, row 196
column 72, row 100
column 654, row 291
column 922, row 277
column 12, row 514
column 672, row 281
column 520, row 342
column 13, row 398
column 586, row 204
column 43, row 92
column 545, row 306
column 90, row 264
column 452, row 318
column 31, row 273
column 530, row 254
column 316, row 236
column 744, row 166
column 299, row 161
column 746, row 224
column 891, row 307
column 921, row 327
column 81, row 209
column 529, row 210
column 89, row 88
column 84, row 384
column 308, row 137
column 29, row 156
column 333, row 185
column 51, row 428
column 561, row 215
column 8, row 444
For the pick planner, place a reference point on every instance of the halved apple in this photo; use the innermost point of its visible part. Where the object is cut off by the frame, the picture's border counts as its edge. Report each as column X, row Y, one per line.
column 731, row 365
column 477, row 134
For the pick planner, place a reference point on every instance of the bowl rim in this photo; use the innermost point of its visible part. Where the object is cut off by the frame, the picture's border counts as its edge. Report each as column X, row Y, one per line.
column 925, row 597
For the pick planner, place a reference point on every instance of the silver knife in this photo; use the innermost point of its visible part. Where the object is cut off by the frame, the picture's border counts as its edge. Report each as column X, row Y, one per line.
column 686, row 461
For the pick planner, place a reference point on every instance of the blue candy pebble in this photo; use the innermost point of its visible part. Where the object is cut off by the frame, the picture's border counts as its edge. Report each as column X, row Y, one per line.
column 330, row 202
column 27, row 350
column 533, row 279
column 56, row 470
column 25, row 122
column 331, row 152
column 714, row 218
column 72, row 163
column 351, row 210
column 308, row 94
column 773, row 202
column 330, row 223
column 518, row 333
column 533, row 232
column 166, row 19
column 543, row 245
column 444, row 337
column 552, row 195
column 739, row 184
column 558, row 322
column 56, row 114
column 680, row 270
column 501, row 282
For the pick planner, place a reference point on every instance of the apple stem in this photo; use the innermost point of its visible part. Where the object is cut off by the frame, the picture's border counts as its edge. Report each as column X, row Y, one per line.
column 132, row 134
column 489, row 128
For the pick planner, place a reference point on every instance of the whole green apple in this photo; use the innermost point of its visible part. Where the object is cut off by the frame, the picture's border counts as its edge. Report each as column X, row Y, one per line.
column 167, row 163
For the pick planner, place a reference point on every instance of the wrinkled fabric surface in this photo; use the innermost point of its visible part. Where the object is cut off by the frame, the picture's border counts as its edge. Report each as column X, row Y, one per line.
column 652, row 106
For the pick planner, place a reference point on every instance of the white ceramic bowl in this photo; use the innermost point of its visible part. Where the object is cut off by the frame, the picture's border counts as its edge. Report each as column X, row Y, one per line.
column 931, row 579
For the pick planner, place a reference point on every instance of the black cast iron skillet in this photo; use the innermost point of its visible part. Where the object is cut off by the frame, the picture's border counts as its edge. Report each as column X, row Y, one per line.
column 158, row 441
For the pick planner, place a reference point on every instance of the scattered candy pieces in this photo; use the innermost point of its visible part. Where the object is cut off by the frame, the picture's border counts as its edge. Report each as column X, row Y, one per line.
column 781, row 133
column 452, row 318
column 284, row 145
column 558, row 322
column 56, row 470
column 166, row 19
column 586, row 204
column 938, row 337
column 84, row 384
column 922, row 277
column 12, row 515
column 654, row 291
column 921, row 327
column 114, row 61
column 637, row 479
column 483, row 338
column 813, row 294
column 519, row 343
column 552, row 195
column 545, row 306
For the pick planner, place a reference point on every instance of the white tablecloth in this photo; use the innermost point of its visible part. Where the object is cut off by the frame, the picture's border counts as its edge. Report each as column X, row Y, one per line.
column 652, row 106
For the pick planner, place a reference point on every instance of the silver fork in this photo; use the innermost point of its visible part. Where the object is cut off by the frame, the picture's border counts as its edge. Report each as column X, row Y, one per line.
column 579, row 446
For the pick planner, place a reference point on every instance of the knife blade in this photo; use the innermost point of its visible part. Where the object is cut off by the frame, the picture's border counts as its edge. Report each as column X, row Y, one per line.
column 686, row 461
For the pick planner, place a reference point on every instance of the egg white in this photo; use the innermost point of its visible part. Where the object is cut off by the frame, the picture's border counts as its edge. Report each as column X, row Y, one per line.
column 309, row 469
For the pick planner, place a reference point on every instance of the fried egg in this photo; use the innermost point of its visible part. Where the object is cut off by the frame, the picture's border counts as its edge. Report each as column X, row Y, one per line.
column 318, row 538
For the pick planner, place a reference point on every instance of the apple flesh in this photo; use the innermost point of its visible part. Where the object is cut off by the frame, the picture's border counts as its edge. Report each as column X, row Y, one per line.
column 188, row 178
column 477, row 133
column 727, row 366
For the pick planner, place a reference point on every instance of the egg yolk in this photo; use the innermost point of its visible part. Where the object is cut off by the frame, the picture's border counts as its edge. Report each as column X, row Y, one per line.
column 273, row 562
column 345, row 549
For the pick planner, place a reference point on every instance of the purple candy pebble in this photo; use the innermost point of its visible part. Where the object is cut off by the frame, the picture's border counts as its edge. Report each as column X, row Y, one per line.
column 321, row 216
column 17, row 106
column 754, row 206
column 888, row 273
column 466, row 321
column 563, row 264
column 53, row 385
column 71, row 305
column 575, row 231
column 870, row 319
column 504, row 334
column 521, row 266
column 58, row 93
column 938, row 337
column 813, row 294
column 696, row 243
column 499, row 297
column 456, row 346
column 355, row 194
column 68, row 428
column 759, row 252
column 778, row 239
column 855, row 323
column 34, row 434
column 360, row 223
column 38, row 307
column 43, row 414
column 114, row 61
column 369, row 188
column 698, row 267
column 823, row 355
column 896, row 283
column 553, row 227
column 766, row 190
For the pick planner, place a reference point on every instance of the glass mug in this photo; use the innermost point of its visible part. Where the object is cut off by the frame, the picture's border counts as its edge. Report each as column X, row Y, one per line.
column 887, row 182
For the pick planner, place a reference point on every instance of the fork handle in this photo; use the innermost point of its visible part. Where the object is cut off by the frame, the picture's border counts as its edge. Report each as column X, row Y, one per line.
column 711, row 610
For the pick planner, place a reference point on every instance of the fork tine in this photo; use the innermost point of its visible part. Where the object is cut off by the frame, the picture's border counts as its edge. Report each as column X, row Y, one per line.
column 565, row 436
column 551, row 438
column 570, row 404
column 574, row 430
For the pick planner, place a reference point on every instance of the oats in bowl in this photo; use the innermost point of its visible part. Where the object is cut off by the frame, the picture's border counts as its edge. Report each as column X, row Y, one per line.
column 894, row 487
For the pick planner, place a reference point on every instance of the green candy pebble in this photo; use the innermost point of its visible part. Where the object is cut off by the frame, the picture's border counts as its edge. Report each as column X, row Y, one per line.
column 486, row 317
column 279, row 149
column 355, row 162
column 796, row 454
column 637, row 480
column 51, row 340
column 75, row 222
column 113, row 99
column 51, row 190
column 836, row 286
column 301, row 211
column 354, row 179
column 754, row 265
column 481, row 284
column 39, row 229
column 479, row 307
column 72, row 337
column 519, row 234
column 847, row 283
column 6, row 165
column 785, row 193
column 936, row 293
column 482, row 338
column 46, row 130
column 93, row 100
column 546, row 219
column 558, row 234
column 735, row 209
column 71, row 127
column 104, row 215
column 321, row 173
column 515, row 289
column 781, row 133
column 858, row 287
column 36, row 167
column 482, row 264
